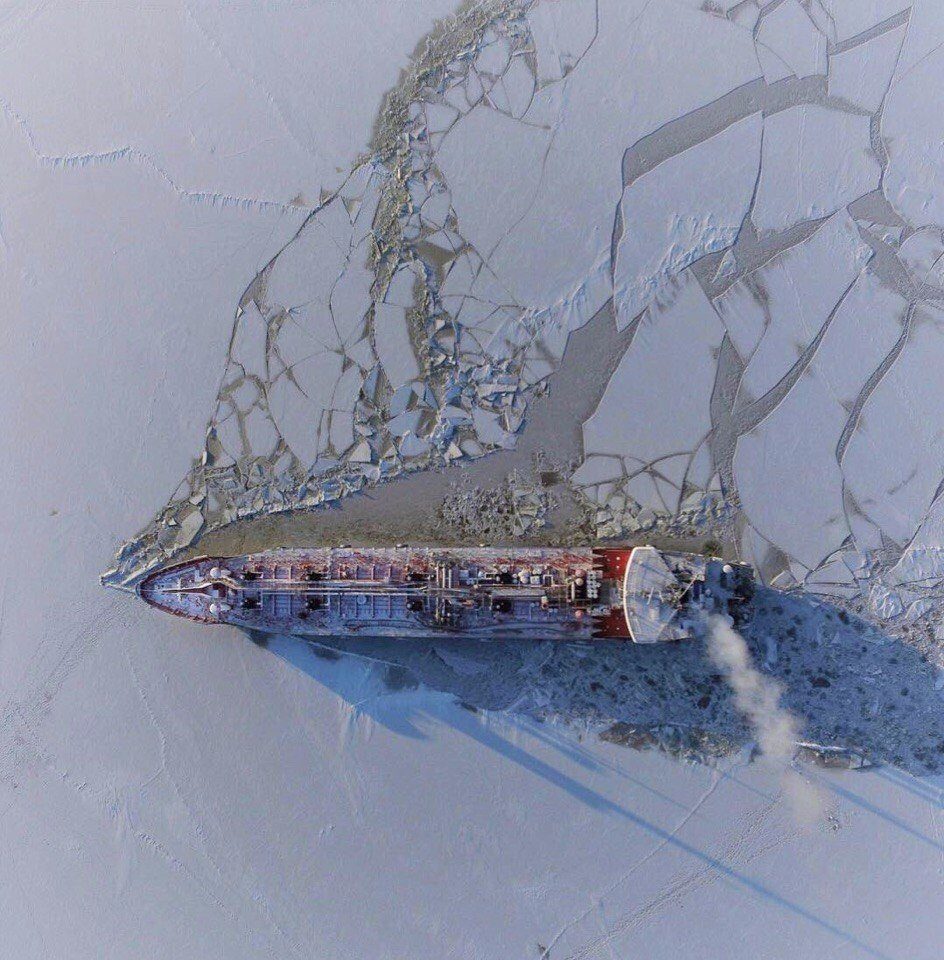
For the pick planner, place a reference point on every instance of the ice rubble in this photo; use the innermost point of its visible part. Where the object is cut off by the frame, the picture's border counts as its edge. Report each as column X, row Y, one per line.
column 747, row 186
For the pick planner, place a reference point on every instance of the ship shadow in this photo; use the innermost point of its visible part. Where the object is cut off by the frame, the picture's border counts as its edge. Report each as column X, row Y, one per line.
column 409, row 717
column 849, row 684
column 800, row 641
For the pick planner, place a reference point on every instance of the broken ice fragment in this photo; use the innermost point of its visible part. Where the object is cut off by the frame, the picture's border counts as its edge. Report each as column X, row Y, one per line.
column 788, row 43
column 861, row 74
column 687, row 206
column 814, row 161
column 394, row 349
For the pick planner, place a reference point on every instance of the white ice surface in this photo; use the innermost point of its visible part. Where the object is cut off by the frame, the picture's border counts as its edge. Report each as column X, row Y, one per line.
column 788, row 34
column 912, row 123
column 656, row 402
column 393, row 345
column 689, row 205
column 892, row 461
column 852, row 17
column 805, row 429
column 553, row 218
column 250, row 101
column 815, row 160
column 861, row 74
column 774, row 314
column 168, row 792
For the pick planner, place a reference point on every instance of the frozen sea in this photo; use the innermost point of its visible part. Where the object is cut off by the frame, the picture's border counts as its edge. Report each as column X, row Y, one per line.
column 172, row 791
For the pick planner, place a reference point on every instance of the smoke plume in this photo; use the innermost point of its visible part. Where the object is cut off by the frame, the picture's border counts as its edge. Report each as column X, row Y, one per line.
column 757, row 697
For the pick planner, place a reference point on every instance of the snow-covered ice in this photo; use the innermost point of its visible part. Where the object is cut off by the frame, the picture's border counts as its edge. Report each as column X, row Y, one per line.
column 673, row 267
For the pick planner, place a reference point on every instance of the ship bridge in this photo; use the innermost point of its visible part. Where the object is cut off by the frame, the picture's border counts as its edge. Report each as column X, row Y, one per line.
column 652, row 594
column 667, row 596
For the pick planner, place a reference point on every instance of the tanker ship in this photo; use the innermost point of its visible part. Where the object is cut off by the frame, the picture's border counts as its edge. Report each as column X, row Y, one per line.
column 639, row 594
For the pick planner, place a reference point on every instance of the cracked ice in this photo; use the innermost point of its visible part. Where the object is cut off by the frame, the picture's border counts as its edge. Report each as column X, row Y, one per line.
column 750, row 189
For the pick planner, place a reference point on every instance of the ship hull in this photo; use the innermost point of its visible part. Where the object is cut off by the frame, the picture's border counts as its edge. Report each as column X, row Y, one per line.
column 409, row 593
column 478, row 593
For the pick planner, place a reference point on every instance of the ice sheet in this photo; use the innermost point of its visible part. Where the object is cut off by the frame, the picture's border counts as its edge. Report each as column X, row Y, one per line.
column 172, row 792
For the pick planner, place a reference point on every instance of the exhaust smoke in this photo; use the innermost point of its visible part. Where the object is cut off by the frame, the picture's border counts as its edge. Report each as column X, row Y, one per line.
column 776, row 730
